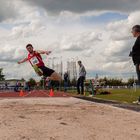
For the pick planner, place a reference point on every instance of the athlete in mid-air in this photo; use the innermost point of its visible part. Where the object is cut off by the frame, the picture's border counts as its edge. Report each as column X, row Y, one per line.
column 35, row 59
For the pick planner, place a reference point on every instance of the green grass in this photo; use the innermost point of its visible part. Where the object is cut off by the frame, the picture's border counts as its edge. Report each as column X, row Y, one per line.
column 121, row 95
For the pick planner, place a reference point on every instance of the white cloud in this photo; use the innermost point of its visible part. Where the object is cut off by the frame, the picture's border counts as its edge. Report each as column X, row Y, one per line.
column 80, row 42
column 119, row 66
column 25, row 31
column 88, row 53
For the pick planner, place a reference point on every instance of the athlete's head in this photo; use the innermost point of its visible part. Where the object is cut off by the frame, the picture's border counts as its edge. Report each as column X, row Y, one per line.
column 79, row 63
column 136, row 30
column 29, row 48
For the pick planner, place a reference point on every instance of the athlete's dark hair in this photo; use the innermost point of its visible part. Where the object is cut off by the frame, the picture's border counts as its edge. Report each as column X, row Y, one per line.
column 136, row 28
column 79, row 61
column 29, row 45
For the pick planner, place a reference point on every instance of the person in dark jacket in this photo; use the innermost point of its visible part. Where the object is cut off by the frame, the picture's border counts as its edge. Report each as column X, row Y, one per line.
column 135, row 53
column 66, row 80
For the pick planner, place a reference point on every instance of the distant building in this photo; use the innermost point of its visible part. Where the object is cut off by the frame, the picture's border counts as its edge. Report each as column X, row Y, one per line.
column 72, row 70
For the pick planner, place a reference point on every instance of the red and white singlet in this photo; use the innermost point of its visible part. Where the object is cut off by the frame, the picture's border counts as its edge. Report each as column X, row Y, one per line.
column 35, row 59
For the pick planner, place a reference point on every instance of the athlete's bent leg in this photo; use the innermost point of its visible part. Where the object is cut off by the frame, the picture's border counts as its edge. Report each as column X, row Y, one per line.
column 50, row 73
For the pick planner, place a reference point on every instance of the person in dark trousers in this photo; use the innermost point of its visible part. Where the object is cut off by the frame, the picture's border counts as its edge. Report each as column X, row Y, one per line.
column 26, row 86
column 80, row 81
column 66, row 79
column 6, row 85
column 16, row 88
column 135, row 53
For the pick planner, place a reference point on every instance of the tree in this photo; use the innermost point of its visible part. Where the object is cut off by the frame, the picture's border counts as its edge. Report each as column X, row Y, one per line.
column 111, row 81
column 32, row 82
column 131, row 81
column 1, row 75
column 22, row 79
column 42, row 82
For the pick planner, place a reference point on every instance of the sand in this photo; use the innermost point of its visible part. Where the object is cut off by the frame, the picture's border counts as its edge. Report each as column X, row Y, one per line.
column 65, row 119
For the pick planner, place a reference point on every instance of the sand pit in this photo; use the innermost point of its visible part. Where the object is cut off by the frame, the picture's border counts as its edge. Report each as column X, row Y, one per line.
column 62, row 118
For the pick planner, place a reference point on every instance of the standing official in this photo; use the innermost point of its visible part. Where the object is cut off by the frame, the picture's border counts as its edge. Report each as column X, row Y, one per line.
column 82, row 76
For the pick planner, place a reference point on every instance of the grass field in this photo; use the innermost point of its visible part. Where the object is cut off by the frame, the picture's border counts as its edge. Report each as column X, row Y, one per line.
column 122, row 95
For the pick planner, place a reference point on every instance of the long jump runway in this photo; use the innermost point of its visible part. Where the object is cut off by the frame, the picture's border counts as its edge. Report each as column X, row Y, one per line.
column 67, row 118
column 33, row 93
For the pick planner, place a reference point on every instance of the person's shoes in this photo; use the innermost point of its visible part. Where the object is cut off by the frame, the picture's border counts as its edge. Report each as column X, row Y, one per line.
column 90, row 95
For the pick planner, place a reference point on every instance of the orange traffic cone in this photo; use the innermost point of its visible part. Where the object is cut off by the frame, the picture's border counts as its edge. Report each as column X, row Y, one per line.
column 51, row 93
column 21, row 94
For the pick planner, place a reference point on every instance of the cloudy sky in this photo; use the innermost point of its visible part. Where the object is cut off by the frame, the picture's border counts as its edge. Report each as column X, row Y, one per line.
column 98, row 32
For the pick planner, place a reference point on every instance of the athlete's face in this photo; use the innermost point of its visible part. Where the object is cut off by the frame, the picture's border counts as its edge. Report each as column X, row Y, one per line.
column 30, row 49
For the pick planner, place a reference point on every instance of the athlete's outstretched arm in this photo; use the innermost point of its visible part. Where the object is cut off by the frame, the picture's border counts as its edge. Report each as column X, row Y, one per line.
column 43, row 52
column 22, row 61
